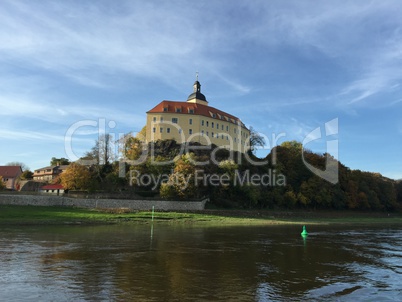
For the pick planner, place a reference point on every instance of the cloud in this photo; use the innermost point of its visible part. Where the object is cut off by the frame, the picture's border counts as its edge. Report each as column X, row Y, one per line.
column 29, row 136
column 75, row 40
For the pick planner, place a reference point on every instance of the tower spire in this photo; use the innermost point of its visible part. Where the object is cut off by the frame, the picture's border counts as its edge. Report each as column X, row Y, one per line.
column 197, row 96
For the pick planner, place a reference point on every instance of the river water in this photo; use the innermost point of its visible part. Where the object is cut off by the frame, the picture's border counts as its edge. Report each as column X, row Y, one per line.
column 188, row 263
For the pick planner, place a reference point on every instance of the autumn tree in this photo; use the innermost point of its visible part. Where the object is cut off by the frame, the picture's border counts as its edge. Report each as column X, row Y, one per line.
column 133, row 148
column 142, row 135
column 181, row 182
column 2, row 184
column 76, row 177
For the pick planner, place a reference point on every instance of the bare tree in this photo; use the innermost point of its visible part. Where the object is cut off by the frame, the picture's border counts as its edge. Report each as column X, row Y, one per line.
column 103, row 151
column 17, row 163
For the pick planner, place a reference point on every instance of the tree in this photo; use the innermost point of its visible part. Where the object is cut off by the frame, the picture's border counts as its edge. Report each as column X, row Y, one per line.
column 142, row 135
column 26, row 175
column 2, row 184
column 17, row 163
column 181, row 183
column 133, row 148
column 76, row 177
column 59, row 161
column 102, row 152
column 256, row 140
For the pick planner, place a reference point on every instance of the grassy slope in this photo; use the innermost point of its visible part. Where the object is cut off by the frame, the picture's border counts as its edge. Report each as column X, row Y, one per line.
column 28, row 215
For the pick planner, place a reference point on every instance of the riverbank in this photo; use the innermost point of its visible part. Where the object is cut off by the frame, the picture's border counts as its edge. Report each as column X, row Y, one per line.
column 32, row 215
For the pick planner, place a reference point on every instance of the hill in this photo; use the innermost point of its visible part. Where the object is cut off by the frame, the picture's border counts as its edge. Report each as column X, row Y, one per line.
column 282, row 180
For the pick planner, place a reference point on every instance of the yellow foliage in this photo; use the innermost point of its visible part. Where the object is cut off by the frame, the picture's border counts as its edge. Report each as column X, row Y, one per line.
column 76, row 177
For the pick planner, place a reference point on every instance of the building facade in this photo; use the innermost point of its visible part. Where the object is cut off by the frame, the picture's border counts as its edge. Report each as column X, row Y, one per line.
column 47, row 174
column 196, row 121
column 9, row 175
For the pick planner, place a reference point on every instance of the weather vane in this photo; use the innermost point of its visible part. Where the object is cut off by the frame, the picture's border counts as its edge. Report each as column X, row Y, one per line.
column 196, row 75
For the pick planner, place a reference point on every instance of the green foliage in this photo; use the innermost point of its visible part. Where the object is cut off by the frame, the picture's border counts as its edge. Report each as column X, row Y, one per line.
column 26, row 175
column 356, row 190
column 59, row 161
column 255, row 140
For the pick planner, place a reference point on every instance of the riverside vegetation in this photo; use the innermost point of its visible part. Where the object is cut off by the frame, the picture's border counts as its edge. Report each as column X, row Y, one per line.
column 288, row 183
column 285, row 182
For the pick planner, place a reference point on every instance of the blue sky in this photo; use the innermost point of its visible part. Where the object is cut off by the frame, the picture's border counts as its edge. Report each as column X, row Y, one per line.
column 283, row 67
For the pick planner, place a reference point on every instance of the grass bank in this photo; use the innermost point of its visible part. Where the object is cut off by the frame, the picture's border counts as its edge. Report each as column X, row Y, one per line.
column 33, row 215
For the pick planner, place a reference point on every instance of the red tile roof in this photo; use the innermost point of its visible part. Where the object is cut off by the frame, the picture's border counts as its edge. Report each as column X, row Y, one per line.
column 10, row 171
column 53, row 187
column 199, row 109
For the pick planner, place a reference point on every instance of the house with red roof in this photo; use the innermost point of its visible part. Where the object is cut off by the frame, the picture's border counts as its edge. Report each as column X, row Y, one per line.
column 55, row 189
column 195, row 121
column 9, row 175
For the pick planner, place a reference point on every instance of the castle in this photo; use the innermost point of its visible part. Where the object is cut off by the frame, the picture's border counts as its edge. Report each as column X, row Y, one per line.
column 195, row 121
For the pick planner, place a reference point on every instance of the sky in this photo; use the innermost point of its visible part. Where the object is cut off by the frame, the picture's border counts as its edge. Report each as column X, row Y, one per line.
column 72, row 69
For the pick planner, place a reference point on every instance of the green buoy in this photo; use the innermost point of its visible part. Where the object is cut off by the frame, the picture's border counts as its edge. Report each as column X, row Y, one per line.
column 304, row 232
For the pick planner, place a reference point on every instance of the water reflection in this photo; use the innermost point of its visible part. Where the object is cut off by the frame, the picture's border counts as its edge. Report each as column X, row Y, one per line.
column 182, row 263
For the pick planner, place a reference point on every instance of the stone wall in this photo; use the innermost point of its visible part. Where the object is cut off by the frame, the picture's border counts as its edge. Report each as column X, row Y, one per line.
column 44, row 200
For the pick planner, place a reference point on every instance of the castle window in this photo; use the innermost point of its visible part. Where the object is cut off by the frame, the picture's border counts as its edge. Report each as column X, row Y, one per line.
column 154, row 119
column 212, row 134
column 190, row 121
column 161, row 119
column 202, row 132
column 207, row 123
column 174, row 120
column 222, row 127
column 161, row 129
column 202, row 123
column 190, row 131
column 154, row 130
column 168, row 130
column 207, row 133
column 212, row 124
column 227, row 128
column 217, row 126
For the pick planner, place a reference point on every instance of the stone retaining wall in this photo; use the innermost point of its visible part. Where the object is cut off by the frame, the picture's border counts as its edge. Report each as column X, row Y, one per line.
column 44, row 200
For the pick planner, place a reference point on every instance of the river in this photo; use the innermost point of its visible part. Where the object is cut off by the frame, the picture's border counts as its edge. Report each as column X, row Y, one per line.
column 199, row 263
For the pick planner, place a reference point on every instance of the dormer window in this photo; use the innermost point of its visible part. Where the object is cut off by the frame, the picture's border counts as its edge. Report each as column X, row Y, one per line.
column 178, row 109
column 165, row 109
column 191, row 110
